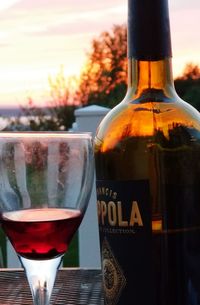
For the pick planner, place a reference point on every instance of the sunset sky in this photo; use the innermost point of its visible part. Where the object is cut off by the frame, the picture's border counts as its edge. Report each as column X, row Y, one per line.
column 38, row 36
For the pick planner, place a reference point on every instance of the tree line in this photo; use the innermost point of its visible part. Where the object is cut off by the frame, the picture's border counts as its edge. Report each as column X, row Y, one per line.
column 102, row 81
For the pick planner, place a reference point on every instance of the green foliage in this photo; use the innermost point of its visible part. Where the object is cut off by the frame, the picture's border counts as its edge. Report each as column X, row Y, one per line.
column 71, row 257
column 59, row 117
column 44, row 119
column 3, row 252
column 192, row 96
column 188, row 85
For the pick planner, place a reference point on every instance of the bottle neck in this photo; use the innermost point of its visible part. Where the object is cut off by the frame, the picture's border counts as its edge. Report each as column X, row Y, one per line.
column 149, row 76
column 149, row 47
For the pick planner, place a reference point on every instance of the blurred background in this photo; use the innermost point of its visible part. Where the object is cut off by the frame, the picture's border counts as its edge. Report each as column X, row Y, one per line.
column 60, row 55
column 57, row 55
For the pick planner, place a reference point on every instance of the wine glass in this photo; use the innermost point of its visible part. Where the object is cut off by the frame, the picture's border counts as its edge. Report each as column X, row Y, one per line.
column 45, row 184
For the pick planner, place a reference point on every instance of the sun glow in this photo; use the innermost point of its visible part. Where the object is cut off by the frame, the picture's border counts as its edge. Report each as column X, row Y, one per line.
column 36, row 38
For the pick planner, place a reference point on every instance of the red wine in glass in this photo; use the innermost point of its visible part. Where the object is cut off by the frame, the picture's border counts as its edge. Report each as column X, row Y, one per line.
column 41, row 234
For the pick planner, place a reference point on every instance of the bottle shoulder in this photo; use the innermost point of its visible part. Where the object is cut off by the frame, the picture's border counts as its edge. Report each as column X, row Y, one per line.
column 145, row 118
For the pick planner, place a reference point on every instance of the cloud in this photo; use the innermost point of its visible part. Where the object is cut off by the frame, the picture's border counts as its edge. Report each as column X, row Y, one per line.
column 6, row 4
column 31, row 19
column 4, row 45
column 67, row 5
column 181, row 5
column 78, row 23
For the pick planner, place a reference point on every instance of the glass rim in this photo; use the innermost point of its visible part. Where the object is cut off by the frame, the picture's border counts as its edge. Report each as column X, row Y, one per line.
column 44, row 134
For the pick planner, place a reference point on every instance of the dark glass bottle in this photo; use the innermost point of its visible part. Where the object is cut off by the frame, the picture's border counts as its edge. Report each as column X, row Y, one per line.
column 147, row 154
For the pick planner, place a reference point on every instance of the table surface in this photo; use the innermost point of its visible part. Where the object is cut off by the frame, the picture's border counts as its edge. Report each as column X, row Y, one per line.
column 73, row 286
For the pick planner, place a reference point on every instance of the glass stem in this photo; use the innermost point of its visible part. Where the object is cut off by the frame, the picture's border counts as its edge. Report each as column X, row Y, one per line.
column 41, row 277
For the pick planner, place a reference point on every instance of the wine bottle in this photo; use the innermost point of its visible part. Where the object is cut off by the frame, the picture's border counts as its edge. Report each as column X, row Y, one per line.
column 147, row 155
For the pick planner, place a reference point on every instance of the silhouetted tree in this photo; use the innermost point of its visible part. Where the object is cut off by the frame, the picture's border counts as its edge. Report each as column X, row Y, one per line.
column 103, row 80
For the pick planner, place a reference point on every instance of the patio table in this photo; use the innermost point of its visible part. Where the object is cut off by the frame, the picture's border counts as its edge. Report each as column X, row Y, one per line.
column 73, row 286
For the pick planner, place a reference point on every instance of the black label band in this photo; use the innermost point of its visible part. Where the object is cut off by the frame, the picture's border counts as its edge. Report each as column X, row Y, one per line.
column 148, row 30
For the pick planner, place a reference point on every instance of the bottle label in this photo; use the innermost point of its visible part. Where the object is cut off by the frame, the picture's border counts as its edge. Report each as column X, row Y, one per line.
column 124, row 216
